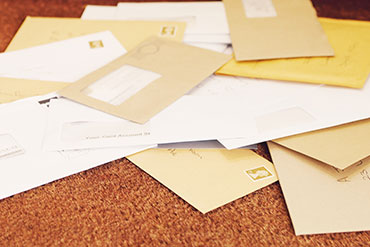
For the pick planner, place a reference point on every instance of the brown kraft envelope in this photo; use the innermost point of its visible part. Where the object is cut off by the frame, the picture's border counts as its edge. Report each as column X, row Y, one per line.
column 145, row 80
column 270, row 29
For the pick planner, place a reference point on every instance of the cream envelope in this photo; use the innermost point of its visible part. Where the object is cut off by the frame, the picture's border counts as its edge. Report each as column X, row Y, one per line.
column 269, row 29
column 295, row 108
column 24, row 165
column 56, row 29
column 51, row 29
column 75, row 126
column 340, row 146
column 145, row 80
column 99, row 12
column 206, row 21
column 316, row 200
column 349, row 67
column 62, row 61
column 207, row 178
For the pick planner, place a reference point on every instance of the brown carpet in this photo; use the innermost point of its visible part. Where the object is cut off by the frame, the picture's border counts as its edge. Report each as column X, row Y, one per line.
column 119, row 205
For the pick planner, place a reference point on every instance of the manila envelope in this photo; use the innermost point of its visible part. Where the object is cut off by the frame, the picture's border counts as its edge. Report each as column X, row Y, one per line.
column 350, row 67
column 144, row 81
column 318, row 200
column 270, row 29
column 207, row 178
column 340, row 146
column 129, row 33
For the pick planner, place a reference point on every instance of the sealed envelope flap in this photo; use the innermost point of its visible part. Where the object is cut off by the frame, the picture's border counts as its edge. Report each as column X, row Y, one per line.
column 141, row 83
column 269, row 29
column 340, row 146
column 317, row 203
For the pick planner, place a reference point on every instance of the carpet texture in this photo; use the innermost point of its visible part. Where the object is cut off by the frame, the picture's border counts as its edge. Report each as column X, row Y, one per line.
column 117, row 204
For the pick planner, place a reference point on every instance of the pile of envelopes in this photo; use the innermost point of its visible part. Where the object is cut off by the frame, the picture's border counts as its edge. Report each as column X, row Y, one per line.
column 185, row 91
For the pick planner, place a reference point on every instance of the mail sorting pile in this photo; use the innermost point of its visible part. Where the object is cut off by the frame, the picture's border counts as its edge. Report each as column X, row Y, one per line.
column 157, row 83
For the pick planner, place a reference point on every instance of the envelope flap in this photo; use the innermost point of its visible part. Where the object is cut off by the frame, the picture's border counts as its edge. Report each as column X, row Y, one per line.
column 317, row 203
column 340, row 146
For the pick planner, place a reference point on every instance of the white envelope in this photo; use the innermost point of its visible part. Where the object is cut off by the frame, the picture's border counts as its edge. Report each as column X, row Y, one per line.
column 95, row 12
column 98, row 12
column 277, row 109
column 191, row 118
column 23, row 163
column 62, row 61
column 206, row 21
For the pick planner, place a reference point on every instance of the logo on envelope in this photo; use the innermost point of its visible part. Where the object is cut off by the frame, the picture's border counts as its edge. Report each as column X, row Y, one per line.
column 258, row 173
column 96, row 44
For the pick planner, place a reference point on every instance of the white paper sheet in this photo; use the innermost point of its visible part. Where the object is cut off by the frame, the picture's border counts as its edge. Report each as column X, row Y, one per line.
column 25, row 122
column 99, row 12
column 62, row 61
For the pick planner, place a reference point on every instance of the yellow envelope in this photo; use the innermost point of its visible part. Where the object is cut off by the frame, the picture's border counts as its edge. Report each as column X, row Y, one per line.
column 340, row 146
column 270, row 29
column 317, row 200
column 207, row 178
column 144, row 81
column 349, row 68
column 41, row 30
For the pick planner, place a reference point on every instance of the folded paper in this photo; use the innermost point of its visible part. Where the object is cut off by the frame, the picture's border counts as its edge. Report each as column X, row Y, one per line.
column 319, row 202
column 147, row 79
column 340, row 146
column 270, row 29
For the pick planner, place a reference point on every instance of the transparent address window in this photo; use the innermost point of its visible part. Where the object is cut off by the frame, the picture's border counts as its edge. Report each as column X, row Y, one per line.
column 259, row 8
column 116, row 87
